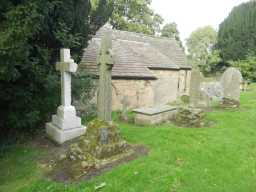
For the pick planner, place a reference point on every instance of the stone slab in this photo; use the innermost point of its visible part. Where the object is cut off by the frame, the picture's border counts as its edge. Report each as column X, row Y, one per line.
column 155, row 110
column 154, row 115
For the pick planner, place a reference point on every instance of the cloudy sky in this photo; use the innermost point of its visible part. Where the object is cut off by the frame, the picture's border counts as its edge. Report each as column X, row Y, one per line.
column 191, row 14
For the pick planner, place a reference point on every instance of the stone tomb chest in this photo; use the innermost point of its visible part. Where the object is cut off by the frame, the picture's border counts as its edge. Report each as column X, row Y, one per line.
column 154, row 115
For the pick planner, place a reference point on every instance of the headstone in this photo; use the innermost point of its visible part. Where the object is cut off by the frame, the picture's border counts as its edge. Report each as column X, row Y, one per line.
column 65, row 124
column 230, row 81
column 105, row 63
column 197, row 97
column 194, row 91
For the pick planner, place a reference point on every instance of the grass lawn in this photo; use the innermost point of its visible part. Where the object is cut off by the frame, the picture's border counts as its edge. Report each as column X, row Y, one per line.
column 217, row 159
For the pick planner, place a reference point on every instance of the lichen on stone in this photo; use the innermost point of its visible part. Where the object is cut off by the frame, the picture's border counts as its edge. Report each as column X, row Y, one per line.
column 101, row 143
column 190, row 117
column 230, row 103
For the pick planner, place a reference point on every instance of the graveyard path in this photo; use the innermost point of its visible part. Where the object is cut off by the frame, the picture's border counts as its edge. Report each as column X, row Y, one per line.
column 219, row 158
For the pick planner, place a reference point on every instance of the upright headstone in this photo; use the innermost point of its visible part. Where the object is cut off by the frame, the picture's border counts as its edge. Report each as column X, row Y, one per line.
column 194, row 91
column 230, row 81
column 198, row 98
column 65, row 125
column 105, row 63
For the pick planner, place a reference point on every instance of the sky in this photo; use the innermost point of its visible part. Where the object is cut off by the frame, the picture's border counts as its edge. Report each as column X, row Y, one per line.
column 191, row 14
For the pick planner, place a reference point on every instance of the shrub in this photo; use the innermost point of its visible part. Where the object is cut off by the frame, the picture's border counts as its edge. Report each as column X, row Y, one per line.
column 31, row 34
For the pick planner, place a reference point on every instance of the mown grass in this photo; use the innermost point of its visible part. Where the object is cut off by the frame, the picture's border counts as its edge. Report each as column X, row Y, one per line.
column 217, row 159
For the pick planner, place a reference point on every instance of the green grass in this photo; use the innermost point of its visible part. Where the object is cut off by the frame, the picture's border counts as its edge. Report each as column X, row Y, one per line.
column 217, row 159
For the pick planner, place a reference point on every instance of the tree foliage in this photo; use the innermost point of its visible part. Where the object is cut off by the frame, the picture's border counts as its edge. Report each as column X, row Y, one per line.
column 135, row 16
column 31, row 34
column 200, row 46
column 237, row 37
column 247, row 67
column 170, row 30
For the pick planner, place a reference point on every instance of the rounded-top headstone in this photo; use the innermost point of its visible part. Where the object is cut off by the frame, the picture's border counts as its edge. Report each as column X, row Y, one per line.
column 230, row 81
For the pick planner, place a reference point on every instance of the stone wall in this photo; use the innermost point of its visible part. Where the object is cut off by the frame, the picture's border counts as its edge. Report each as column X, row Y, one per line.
column 165, row 87
column 147, row 93
column 139, row 93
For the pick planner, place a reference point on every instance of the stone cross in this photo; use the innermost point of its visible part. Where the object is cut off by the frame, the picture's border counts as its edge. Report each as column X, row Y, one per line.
column 66, row 66
column 65, row 124
column 105, row 64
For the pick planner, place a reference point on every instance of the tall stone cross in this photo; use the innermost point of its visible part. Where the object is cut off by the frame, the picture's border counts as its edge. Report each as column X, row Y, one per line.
column 105, row 65
column 65, row 124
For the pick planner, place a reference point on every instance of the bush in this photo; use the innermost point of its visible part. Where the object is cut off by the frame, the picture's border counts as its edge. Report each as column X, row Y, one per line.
column 31, row 34
column 247, row 68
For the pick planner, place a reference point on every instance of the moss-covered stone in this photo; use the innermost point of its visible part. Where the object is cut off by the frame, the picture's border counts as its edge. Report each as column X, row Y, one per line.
column 190, row 117
column 101, row 143
column 230, row 103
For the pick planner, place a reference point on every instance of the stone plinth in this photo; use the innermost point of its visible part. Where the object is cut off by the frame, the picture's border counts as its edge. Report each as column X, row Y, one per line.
column 65, row 125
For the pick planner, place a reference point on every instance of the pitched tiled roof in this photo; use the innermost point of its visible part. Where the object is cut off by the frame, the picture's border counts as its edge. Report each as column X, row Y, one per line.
column 135, row 54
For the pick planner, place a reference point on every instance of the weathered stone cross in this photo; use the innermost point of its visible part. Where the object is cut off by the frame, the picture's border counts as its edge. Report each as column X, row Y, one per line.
column 65, row 124
column 105, row 62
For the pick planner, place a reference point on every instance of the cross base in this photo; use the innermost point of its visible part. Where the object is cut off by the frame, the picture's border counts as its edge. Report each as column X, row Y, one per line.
column 65, row 125
column 61, row 136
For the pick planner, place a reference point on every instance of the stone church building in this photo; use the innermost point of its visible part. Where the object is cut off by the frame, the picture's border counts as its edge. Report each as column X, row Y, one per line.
column 148, row 71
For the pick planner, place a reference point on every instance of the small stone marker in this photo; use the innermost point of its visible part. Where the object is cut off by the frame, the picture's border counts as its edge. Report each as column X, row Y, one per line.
column 105, row 63
column 65, row 125
column 124, row 114
column 231, row 81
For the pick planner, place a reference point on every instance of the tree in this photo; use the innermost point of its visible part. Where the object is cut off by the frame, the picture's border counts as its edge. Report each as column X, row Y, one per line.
column 247, row 67
column 200, row 45
column 170, row 30
column 135, row 16
column 31, row 34
column 157, row 21
column 236, row 37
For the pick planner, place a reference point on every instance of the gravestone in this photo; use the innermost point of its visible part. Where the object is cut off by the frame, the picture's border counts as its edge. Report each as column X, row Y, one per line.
column 65, row 124
column 105, row 63
column 231, row 81
column 197, row 97
column 194, row 91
